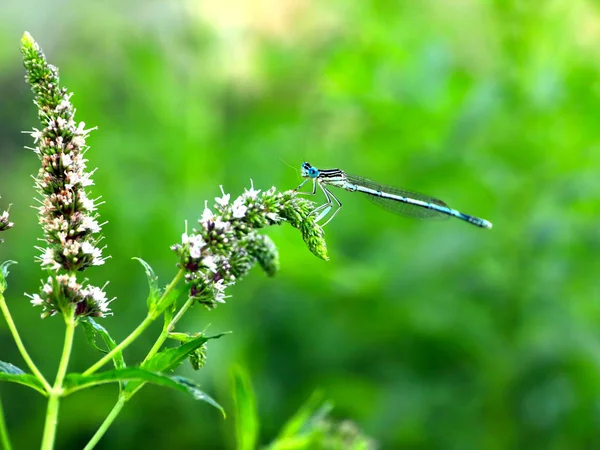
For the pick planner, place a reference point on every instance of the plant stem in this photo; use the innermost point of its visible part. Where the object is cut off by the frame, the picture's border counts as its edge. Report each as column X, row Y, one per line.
column 51, row 422
column 167, row 329
column 13, row 329
column 187, row 305
column 107, row 423
column 66, row 355
column 123, row 398
column 138, row 331
column 161, row 340
column 4, row 440
column 57, row 390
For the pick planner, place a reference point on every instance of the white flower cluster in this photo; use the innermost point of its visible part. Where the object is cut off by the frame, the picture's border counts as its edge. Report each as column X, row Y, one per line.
column 4, row 223
column 206, row 263
column 209, row 252
column 87, row 300
column 238, row 208
column 241, row 205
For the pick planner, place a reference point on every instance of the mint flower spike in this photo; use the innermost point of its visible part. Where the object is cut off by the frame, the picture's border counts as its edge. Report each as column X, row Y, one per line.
column 226, row 245
column 66, row 213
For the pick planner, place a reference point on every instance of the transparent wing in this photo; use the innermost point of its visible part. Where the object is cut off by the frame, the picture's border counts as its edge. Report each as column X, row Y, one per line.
column 397, row 207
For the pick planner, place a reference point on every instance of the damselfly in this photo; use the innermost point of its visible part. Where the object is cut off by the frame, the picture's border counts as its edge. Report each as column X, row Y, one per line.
column 395, row 200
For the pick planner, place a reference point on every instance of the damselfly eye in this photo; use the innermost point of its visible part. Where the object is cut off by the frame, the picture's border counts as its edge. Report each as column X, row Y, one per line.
column 312, row 172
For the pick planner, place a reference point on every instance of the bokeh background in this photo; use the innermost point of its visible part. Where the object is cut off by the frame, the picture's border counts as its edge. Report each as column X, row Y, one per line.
column 428, row 335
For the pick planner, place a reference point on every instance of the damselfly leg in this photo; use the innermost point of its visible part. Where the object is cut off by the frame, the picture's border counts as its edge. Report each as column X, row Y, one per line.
column 328, row 206
column 321, row 211
column 314, row 190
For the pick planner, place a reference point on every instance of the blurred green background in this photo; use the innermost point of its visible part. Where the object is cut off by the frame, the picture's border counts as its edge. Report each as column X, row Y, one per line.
column 428, row 335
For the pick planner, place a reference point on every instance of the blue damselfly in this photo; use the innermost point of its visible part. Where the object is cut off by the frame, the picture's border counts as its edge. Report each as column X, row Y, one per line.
column 395, row 200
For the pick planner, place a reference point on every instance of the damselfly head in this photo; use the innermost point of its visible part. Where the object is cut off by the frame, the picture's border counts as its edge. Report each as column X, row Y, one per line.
column 309, row 171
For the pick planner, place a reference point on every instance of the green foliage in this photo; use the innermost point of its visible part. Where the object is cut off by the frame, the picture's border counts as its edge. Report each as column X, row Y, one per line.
column 93, row 331
column 216, row 255
column 154, row 292
column 4, row 273
column 246, row 410
column 135, row 376
column 170, row 358
column 311, row 427
column 13, row 374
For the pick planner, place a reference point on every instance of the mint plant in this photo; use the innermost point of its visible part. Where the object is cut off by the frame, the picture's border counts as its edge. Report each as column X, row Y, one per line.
column 211, row 257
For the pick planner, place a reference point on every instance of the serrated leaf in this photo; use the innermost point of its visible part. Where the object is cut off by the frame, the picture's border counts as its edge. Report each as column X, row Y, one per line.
column 154, row 292
column 76, row 381
column 9, row 368
column 4, row 274
column 4, row 267
column 170, row 358
column 13, row 374
column 246, row 413
column 93, row 330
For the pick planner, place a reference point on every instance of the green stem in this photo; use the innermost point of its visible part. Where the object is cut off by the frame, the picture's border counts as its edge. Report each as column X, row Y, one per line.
column 123, row 398
column 51, row 422
column 66, row 355
column 167, row 329
column 106, row 424
column 13, row 329
column 4, row 440
column 162, row 338
column 57, row 390
column 152, row 315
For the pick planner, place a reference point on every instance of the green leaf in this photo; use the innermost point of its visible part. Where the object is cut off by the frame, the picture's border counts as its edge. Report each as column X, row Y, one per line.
column 154, row 293
column 294, row 443
column 13, row 374
column 93, row 331
column 4, row 274
column 76, row 381
column 197, row 358
column 170, row 358
column 311, row 427
column 307, row 415
column 10, row 369
column 246, row 414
